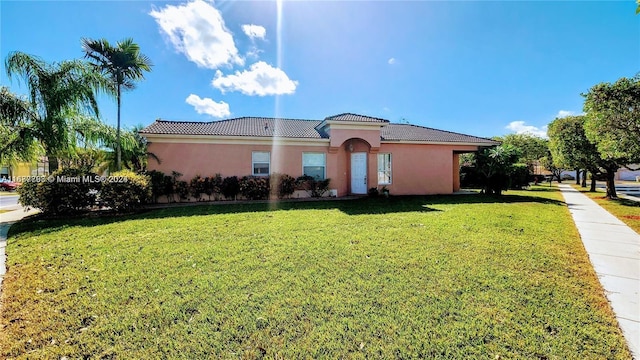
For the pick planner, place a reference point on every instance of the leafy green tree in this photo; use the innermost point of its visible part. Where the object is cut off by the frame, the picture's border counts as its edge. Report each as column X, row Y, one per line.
column 531, row 147
column 570, row 147
column 495, row 165
column 123, row 64
column 57, row 91
column 613, row 125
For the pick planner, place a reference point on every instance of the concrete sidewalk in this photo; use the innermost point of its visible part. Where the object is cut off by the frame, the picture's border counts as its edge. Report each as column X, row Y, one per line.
column 614, row 251
column 6, row 220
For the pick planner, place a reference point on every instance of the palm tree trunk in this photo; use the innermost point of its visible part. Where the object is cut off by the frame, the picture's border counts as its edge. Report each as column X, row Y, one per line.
column 118, row 151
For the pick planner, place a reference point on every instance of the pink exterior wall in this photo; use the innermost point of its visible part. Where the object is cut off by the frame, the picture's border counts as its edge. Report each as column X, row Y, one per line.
column 416, row 168
column 226, row 159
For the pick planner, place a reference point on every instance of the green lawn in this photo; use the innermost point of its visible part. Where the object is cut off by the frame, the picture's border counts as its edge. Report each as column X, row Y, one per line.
column 628, row 211
column 463, row 276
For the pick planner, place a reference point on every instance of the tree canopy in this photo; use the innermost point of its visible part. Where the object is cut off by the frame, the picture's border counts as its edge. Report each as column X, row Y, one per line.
column 56, row 92
column 613, row 120
column 530, row 147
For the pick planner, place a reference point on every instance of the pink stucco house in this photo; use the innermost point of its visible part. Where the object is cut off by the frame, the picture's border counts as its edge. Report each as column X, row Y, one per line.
column 356, row 152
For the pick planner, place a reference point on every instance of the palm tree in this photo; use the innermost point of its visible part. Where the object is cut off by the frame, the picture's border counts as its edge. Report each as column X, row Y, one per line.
column 55, row 91
column 16, row 138
column 123, row 64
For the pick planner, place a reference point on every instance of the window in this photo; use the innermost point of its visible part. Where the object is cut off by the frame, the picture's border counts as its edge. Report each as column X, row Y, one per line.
column 260, row 161
column 314, row 164
column 384, row 169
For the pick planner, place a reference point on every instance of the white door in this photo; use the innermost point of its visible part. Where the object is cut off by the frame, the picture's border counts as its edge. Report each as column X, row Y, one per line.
column 359, row 173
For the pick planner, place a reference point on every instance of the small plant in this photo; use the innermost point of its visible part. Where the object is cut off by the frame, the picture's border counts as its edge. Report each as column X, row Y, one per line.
column 197, row 186
column 373, row 192
column 282, row 185
column 157, row 183
column 314, row 187
column 181, row 188
column 254, row 187
column 385, row 191
column 230, row 187
column 213, row 186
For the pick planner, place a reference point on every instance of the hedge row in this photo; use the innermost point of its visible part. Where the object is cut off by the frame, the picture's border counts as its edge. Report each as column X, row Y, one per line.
column 72, row 190
column 216, row 187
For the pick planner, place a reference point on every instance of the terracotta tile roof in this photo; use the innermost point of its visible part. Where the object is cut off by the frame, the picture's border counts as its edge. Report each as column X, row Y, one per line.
column 244, row 126
column 408, row 132
column 305, row 129
column 356, row 118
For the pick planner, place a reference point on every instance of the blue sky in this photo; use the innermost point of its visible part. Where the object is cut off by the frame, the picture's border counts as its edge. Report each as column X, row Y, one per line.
column 476, row 67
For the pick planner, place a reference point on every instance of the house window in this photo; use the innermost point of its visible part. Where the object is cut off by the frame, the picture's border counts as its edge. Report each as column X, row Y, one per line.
column 314, row 164
column 260, row 163
column 384, row 169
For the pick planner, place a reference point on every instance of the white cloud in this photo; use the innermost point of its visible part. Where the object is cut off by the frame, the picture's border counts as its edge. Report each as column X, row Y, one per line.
column 254, row 31
column 519, row 127
column 392, row 61
column 565, row 113
column 208, row 106
column 261, row 79
column 197, row 30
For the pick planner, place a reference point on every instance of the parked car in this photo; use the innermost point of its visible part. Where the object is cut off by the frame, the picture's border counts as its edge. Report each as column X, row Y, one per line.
column 8, row 185
column 567, row 177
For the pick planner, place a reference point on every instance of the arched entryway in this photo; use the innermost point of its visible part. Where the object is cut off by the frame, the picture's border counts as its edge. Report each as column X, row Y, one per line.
column 357, row 152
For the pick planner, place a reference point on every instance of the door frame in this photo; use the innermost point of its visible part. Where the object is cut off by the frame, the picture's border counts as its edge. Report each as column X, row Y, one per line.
column 351, row 173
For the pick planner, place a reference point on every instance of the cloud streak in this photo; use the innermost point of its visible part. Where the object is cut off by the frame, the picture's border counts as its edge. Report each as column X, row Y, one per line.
column 208, row 106
column 520, row 127
column 261, row 79
column 198, row 31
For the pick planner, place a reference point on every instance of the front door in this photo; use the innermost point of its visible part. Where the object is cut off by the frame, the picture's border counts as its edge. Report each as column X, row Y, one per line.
column 359, row 173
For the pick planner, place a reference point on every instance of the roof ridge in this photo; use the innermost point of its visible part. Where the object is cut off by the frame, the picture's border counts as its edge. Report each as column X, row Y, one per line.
column 354, row 114
column 231, row 119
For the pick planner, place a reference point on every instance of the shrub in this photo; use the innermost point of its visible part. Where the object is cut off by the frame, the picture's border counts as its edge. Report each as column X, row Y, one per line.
column 198, row 186
column 519, row 176
column 373, row 192
column 313, row 186
column 230, row 187
column 126, row 191
column 181, row 188
column 213, row 186
column 282, row 185
column 254, row 187
column 157, row 180
column 66, row 191
column 28, row 194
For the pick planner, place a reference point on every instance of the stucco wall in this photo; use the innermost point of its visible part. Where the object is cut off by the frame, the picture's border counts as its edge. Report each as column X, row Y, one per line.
column 226, row 159
column 416, row 168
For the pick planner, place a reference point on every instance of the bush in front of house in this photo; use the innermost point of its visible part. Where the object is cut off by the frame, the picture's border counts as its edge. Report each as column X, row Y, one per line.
column 181, row 188
column 230, row 187
column 282, row 185
column 254, row 187
column 314, row 187
column 213, row 186
column 125, row 191
column 64, row 192
column 197, row 187
column 156, row 181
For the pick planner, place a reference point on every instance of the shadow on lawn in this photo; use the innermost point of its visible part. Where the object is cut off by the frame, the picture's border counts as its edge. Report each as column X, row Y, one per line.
column 359, row 206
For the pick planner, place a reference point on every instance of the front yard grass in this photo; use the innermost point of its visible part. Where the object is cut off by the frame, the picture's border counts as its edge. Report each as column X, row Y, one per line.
column 464, row 276
column 628, row 211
